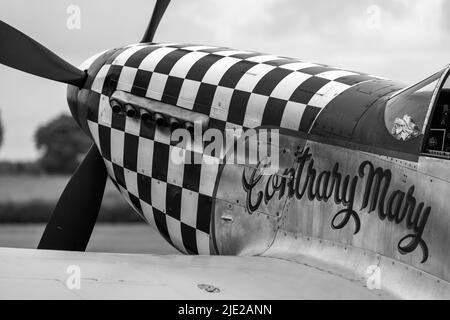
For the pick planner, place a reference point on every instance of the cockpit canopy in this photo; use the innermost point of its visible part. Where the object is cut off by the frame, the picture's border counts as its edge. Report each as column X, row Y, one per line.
column 422, row 110
column 407, row 110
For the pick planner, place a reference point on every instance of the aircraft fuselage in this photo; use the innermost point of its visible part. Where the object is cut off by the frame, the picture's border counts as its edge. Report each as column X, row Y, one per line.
column 341, row 175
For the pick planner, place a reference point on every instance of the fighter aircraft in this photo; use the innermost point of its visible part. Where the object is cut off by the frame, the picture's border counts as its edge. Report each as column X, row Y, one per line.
column 350, row 202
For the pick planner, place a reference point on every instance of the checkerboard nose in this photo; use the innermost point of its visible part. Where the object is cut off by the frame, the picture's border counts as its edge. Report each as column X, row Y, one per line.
column 160, row 87
column 172, row 196
column 173, row 193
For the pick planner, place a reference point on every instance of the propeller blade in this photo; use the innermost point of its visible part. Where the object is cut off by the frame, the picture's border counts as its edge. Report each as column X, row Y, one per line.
column 76, row 212
column 158, row 12
column 19, row 51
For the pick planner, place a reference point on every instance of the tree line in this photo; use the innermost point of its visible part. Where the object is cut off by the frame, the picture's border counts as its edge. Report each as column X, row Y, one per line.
column 62, row 146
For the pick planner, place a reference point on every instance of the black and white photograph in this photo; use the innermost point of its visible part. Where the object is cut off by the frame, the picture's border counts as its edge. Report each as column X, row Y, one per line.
column 247, row 151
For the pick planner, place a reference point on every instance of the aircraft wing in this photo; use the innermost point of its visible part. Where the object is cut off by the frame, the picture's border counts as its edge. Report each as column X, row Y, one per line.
column 41, row 274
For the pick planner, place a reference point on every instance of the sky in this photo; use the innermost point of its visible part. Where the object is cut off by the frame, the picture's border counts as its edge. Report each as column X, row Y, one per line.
column 404, row 40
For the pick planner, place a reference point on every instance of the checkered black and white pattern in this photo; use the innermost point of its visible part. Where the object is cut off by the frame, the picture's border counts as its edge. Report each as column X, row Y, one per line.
column 236, row 89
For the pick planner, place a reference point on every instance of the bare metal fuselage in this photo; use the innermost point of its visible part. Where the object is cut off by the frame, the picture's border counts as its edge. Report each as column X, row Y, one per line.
column 346, row 191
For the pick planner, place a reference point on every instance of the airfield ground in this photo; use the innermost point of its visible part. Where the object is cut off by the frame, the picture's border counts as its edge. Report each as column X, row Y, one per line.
column 26, row 202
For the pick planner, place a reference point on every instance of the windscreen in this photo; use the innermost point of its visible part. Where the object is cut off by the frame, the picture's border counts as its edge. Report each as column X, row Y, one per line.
column 406, row 112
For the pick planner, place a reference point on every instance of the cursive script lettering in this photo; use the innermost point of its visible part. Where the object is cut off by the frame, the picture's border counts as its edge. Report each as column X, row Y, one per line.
column 304, row 180
column 400, row 207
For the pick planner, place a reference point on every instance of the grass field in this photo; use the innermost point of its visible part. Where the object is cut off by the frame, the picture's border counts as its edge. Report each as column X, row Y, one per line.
column 118, row 238
column 25, row 188
column 31, row 199
column 26, row 204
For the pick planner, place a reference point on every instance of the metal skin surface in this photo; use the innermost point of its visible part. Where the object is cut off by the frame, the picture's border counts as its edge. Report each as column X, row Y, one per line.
column 367, row 233
column 41, row 274
column 345, row 143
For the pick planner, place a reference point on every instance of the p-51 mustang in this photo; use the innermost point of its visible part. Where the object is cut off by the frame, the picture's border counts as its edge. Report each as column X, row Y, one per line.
column 355, row 207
